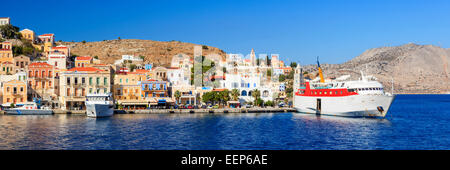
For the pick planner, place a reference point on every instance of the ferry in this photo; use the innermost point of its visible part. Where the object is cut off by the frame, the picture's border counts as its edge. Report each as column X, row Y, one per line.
column 29, row 108
column 365, row 97
column 99, row 105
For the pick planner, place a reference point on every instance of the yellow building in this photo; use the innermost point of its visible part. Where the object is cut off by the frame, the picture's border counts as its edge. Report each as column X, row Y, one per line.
column 83, row 61
column 48, row 46
column 76, row 82
column 14, row 91
column 6, row 53
column 127, row 89
column 6, row 67
column 28, row 35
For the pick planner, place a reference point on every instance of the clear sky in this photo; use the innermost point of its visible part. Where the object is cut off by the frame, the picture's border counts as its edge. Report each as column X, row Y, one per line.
column 297, row 30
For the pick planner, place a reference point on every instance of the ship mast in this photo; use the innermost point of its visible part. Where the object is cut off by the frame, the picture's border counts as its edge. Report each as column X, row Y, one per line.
column 320, row 71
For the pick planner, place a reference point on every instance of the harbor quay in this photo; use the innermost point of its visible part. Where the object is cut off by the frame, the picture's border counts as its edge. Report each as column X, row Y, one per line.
column 183, row 111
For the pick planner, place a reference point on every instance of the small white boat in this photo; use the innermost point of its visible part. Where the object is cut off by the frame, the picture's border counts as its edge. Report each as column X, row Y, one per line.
column 28, row 108
column 99, row 105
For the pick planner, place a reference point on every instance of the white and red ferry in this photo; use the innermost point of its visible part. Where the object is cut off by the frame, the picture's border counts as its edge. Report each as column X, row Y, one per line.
column 360, row 98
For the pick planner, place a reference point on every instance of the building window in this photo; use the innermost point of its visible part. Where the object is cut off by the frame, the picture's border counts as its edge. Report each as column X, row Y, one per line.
column 76, row 80
column 105, row 80
column 98, row 80
column 68, row 80
column 90, row 80
column 83, row 80
column 50, row 83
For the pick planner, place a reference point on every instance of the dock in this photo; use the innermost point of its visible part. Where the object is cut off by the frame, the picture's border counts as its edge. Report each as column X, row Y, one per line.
column 183, row 111
column 193, row 111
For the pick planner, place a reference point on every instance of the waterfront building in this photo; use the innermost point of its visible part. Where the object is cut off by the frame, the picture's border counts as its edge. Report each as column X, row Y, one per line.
column 178, row 77
column 57, row 59
column 128, row 58
column 46, row 38
column 160, row 73
column 60, row 49
column 76, row 82
column 127, row 90
column 6, row 53
column 148, row 66
column 43, row 83
column 6, row 68
column 14, row 91
column 83, row 61
column 5, row 21
column 21, row 63
column 157, row 92
column 28, row 35
column 21, row 76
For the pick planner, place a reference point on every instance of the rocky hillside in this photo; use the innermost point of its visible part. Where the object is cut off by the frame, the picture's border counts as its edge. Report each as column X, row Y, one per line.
column 414, row 68
column 157, row 52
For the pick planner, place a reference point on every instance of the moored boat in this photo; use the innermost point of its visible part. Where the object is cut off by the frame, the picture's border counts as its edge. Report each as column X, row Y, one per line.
column 99, row 105
column 28, row 108
column 365, row 97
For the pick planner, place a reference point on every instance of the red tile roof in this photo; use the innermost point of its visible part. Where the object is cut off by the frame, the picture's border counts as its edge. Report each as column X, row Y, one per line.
column 84, row 58
column 84, row 69
column 46, row 35
column 39, row 64
column 139, row 71
column 59, row 47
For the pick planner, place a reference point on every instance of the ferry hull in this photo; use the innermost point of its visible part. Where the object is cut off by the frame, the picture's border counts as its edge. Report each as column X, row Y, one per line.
column 346, row 106
column 99, row 110
column 28, row 112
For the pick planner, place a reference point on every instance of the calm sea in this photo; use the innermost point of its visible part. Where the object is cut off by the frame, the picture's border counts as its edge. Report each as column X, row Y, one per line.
column 414, row 122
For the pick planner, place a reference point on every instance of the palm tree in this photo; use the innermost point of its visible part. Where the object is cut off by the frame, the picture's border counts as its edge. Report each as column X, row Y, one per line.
column 225, row 96
column 256, row 94
column 177, row 96
column 235, row 94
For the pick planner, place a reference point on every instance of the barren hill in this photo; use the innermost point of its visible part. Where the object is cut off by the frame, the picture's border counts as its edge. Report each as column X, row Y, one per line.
column 414, row 68
column 157, row 52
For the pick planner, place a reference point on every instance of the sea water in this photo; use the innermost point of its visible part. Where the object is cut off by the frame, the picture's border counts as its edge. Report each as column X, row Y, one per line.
column 413, row 122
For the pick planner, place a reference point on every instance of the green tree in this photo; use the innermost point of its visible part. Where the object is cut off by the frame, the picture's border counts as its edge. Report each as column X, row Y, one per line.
column 269, row 73
column 9, row 31
column 256, row 94
column 235, row 94
column 293, row 65
column 96, row 57
column 177, row 96
column 225, row 96
column 281, row 77
column 132, row 67
column 142, row 57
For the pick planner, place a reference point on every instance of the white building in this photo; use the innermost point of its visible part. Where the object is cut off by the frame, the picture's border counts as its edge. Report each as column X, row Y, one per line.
column 5, row 20
column 128, row 57
column 178, row 77
column 57, row 59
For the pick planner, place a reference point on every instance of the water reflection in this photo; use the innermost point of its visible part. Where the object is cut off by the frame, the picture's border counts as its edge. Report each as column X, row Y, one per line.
column 412, row 126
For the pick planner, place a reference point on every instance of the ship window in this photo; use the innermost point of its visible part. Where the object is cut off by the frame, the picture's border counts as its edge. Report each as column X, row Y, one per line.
column 335, row 92
column 342, row 85
column 320, row 92
column 324, row 92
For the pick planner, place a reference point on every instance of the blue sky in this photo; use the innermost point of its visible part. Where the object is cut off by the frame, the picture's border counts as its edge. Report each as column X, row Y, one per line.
column 297, row 30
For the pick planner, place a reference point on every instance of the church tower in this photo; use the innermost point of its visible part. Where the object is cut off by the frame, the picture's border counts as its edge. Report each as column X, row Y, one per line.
column 253, row 58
